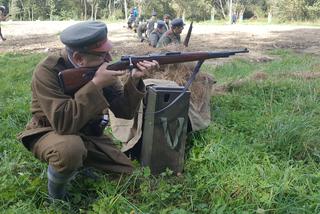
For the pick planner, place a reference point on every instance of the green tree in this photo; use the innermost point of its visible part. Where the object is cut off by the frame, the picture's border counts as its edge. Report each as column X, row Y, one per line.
column 291, row 10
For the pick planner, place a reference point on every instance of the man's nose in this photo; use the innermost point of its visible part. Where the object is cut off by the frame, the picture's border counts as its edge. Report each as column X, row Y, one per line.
column 108, row 58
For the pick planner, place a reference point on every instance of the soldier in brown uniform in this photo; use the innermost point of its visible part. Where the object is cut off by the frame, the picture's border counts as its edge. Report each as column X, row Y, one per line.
column 156, row 34
column 67, row 131
column 172, row 35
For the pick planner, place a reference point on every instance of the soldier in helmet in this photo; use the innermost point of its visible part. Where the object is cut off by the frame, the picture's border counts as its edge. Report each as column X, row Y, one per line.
column 66, row 131
column 151, row 22
column 131, row 19
column 156, row 34
column 3, row 17
column 172, row 35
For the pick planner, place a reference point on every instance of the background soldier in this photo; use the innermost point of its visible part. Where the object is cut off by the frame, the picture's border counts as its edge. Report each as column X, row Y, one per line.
column 166, row 19
column 138, row 20
column 156, row 34
column 3, row 17
column 151, row 23
column 234, row 18
column 172, row 35
column 135, row 12
column 131, row 19
column 142, row 28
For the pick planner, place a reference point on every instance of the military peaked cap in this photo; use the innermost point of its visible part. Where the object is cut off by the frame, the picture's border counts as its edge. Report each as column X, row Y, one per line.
column 154, row 13
column 177, row 23
column 87, row 36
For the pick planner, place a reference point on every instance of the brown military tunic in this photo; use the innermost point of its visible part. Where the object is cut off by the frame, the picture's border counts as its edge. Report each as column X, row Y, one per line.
column 59, row 131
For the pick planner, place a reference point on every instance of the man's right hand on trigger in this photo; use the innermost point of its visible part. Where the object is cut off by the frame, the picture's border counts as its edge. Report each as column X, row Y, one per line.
column 104, row 77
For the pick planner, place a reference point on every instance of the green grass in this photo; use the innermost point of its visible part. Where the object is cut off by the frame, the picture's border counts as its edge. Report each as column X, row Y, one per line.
column 261, row 153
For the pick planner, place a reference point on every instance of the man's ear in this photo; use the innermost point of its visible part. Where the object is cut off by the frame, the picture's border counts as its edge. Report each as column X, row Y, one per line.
column 78, row 58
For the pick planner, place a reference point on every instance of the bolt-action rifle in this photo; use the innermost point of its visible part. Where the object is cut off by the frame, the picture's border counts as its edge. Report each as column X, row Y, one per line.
column 73, row 79
column 187, row 39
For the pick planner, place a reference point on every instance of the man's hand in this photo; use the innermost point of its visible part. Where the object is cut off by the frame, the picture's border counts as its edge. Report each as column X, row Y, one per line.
column 104, row 77
column 144, row 68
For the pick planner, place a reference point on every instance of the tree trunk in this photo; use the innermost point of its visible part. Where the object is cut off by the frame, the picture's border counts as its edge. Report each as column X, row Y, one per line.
column 81, row 13
column 213, row 12
column 92, row 10
column 51, row 10
column 183, row 15
column 230, row 11
column 269, row 17
column 23, row 9
column 222, row 9
column 85, row 9
column 125, row 9
column 96, row 11
column 29, row 14
column 13, row 9
column 109, row 7
column 241, row 15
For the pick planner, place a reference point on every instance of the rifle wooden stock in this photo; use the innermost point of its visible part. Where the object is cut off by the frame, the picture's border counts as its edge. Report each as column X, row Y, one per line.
column 73, row 79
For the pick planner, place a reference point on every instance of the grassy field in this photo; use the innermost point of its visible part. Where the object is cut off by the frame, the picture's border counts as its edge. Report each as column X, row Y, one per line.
column 261, row 153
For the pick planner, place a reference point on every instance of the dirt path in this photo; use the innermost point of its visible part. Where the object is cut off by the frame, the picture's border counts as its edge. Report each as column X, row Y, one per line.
column 44, row 35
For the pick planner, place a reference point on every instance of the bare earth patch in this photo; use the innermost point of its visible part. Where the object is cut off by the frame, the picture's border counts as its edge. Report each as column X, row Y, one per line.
column 44, row 35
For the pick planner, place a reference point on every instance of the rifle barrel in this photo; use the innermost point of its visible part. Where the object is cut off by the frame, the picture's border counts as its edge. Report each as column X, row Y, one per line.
column 172, row 57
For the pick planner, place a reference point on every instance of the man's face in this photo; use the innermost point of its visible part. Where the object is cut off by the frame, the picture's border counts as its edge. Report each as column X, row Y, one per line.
column 166, row 19
column 162, row 30
column 178, row 30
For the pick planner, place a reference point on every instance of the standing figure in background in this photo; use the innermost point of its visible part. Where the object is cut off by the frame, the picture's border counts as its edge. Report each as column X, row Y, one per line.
column 166, row 19
column 172, row 35
column 234, row 18
column 156, row 34
column 135, row 12
column 3, row 17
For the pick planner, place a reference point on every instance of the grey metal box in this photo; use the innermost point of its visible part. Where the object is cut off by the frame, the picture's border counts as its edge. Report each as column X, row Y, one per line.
column 164, row 134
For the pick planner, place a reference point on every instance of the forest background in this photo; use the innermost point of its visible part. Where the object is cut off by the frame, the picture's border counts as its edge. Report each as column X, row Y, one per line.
column 279, row 10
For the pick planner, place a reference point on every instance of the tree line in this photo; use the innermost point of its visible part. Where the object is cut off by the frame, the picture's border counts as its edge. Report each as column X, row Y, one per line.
column 198, row 10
